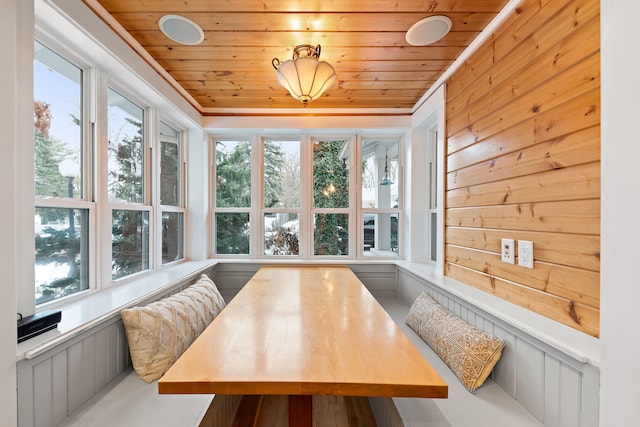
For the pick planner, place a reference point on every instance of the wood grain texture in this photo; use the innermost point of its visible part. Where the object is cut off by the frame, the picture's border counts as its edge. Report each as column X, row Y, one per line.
column 273, row 411
column 242, row 37
column 523, row 161
column 303, row 331
column 563, row 310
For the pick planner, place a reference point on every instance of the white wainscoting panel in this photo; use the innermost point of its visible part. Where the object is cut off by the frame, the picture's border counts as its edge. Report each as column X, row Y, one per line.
column 556, row 388
column 54, row 384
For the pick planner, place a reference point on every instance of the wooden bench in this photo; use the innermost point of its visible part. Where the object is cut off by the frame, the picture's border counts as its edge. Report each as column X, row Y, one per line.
column 491, row 406
column 129, row 401
column 555, row 380
column 132, row 399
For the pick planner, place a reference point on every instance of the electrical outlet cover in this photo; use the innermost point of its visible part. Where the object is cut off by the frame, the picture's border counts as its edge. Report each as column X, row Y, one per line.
column 525, row 253
column 508, row 251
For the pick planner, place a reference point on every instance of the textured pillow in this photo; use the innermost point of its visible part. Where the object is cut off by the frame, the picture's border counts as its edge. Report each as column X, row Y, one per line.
column 161, row 331
column 470, row 353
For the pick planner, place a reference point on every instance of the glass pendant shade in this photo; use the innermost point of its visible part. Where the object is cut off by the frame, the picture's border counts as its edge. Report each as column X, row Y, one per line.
column 386, row 180
column 305, row 77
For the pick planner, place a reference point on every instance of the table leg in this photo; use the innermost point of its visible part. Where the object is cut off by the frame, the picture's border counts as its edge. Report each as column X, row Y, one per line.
column 300, row 411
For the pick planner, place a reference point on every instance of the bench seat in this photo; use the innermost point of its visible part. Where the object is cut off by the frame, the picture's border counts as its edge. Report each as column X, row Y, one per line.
column 491, row 406
column 129, row 401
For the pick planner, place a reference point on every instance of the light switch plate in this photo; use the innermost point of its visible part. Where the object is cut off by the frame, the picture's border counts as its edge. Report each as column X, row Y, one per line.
column 508, row 251
column 525, row 253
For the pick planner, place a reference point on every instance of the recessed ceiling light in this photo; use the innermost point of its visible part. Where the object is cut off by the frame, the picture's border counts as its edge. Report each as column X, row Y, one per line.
column 180, row 29
column 428, row 30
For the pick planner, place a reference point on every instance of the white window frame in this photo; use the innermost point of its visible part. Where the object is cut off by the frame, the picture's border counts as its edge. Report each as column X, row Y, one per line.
column 148, row 129
column 306, row 211
column 252, row 210
column 352, row 210
column 433, row 171
column 300, row 210
column 156, row 184
column 367, row 211
column 86, row 201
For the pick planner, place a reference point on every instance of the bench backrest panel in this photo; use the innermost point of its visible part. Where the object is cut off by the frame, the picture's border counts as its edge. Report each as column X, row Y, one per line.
column 554, row 387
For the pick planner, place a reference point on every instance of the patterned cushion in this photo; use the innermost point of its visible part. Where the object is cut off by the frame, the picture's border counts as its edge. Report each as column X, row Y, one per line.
column 160, row 332
column 470, row 353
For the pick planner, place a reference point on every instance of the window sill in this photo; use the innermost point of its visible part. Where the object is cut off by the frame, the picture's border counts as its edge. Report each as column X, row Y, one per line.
column 578, row 345
column 83, row 313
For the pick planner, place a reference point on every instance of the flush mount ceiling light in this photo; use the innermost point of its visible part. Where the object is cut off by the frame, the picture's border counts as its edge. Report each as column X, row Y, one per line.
column 428, row 30
column 181, row 30
column 304, row 76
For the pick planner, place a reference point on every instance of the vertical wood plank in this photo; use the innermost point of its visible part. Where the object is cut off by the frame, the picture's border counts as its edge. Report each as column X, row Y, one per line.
column 59, row 387
column 101, row 359
column 123, row 359
column 43, row 394
column 112, row 349
column 26, row 394
column 505, row 371
column 74, row 382
column 530, row 377
column 570, row 396
column 88, row 367
column 552, row 400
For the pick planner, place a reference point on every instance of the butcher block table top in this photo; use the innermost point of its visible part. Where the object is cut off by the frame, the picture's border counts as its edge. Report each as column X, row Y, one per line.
column 303, row 331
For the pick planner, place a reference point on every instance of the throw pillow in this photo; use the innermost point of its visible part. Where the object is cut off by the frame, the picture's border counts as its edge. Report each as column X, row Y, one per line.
column 161, row 331
column 471, row 354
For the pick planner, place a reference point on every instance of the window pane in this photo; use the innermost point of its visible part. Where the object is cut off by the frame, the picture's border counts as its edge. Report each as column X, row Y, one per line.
column 169, row 166
column 172, row 236
column 129, row 242
column 331, row 234
column 61, row 267
column 232, row 233
column 57, row 121
column 380, row 187
column 281, row 174
column 381, row 234
column 126, row 150
column 233, row 174
column 282, row 234
column 331, row 174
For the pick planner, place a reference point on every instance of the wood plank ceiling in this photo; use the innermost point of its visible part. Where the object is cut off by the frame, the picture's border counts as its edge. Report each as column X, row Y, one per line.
column 363, row 39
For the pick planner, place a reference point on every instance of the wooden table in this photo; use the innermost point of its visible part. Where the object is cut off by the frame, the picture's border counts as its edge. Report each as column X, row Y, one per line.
column 303, row 331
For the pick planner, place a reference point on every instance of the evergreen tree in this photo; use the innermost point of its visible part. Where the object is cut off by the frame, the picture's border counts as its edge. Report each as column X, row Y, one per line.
column 53, row 246
column 330, row 190
column 233, row 189
column 129, row 228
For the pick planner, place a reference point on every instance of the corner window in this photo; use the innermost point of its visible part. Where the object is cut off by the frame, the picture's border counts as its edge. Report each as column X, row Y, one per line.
column 380, row 197
column 233, row 165
column 171, row 195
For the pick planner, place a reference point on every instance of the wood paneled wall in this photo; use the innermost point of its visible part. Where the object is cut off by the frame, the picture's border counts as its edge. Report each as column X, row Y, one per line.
column 523, row 161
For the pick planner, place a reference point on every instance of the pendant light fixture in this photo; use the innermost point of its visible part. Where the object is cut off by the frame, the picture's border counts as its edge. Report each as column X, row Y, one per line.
column 304, row 75
column 386, row 180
